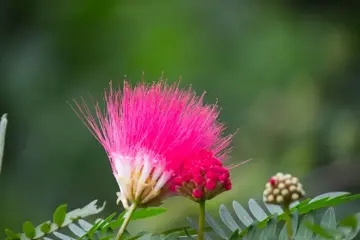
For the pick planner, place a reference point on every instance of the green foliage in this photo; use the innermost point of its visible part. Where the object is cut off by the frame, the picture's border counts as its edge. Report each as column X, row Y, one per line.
column 81, row 229
column 29, row 229
column 263, row 225
column 59, row 215
column 60, row 219
column 252, row 224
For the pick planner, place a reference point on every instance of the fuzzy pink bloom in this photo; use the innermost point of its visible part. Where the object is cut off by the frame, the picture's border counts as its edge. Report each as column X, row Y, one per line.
column 150, row 132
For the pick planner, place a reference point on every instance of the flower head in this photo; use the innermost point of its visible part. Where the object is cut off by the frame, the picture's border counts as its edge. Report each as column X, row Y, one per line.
column 149, row 132
column 203, row 177
column 283, row 189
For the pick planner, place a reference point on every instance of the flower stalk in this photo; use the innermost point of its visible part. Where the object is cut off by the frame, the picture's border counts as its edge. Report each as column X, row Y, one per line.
column 128, row 215
column 201, row 220
column 288, row 221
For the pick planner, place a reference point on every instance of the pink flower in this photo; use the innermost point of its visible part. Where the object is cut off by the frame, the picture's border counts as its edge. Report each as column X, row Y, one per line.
column 151, row 133
column 203, row 177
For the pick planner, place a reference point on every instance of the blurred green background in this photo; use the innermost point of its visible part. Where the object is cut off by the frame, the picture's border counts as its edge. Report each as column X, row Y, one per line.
column 286, row 74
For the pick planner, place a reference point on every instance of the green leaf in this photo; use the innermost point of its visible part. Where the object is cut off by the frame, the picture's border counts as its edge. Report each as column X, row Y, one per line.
column 294, row 222
column 171, row 236
column 329, row 195
column 355, row 228
column 234, row 235
column 189, row 235
column 283, row 233
column 263, row 223
column 76, row 230
column 303, row 231
column 319, row 230
column 257, row 232
column 321, row 201
column 86, row 226
column 106, row 222
column 117, row 223
column 213, row 224
column 256, row 210
column 29, row 229
column 11, row 234
column 91, row 231
column 351, row 197
column 328, row 221
column 350, row 221
column 242, row 214
column 60, row 214
column 45, row 227
column 88, row 210
column 146, row 213
column 179, row 230
column 294, row 204
column 270, row 230
column 228, row 219
column 250, row 234
column 325, row 200
column 274, row 209
column 303, row 203
column 62, row 236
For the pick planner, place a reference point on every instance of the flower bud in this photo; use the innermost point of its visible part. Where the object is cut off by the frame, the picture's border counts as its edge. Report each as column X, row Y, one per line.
column 207, row 178
column 283, row 189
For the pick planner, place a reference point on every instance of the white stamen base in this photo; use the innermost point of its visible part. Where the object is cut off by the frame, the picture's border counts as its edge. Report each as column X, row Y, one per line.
column 140, row 180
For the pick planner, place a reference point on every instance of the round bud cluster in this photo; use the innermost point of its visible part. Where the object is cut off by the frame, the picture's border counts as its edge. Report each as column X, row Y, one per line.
column 205, row 178
column 283, row 189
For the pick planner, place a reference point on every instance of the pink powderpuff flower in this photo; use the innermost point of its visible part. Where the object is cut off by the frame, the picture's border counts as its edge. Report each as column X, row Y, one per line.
column 149, row 132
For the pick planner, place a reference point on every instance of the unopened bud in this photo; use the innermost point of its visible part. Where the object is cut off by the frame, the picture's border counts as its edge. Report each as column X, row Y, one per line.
column 283, row 189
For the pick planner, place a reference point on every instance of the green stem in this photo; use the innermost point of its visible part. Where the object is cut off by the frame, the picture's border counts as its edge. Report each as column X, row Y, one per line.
column 201, row 220
column 288, row 221
column 126, row 221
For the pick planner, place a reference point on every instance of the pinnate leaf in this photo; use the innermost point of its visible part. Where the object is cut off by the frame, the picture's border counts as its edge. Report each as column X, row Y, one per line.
column 214, row 225
column 256, row 210
column 29, row 229
column 328, row 221
column 303, row 231
column 147, row 212
column 11, row 234
column 321, row 232
column 76, row 230
column 45, row 227
column 242, row 214
column 59, row 215
column 274, row 209
column 63, row 236
column 226, row 217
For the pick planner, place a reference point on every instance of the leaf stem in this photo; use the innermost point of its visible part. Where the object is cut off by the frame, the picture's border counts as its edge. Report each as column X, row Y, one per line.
column 288, row 221
column 201, row 220
column 130, row 211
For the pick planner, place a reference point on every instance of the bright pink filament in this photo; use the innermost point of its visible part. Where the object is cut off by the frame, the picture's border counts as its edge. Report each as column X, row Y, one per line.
column 168, row 124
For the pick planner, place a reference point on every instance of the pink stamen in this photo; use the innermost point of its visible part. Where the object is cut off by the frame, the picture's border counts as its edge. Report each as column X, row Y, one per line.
column 171, row 128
